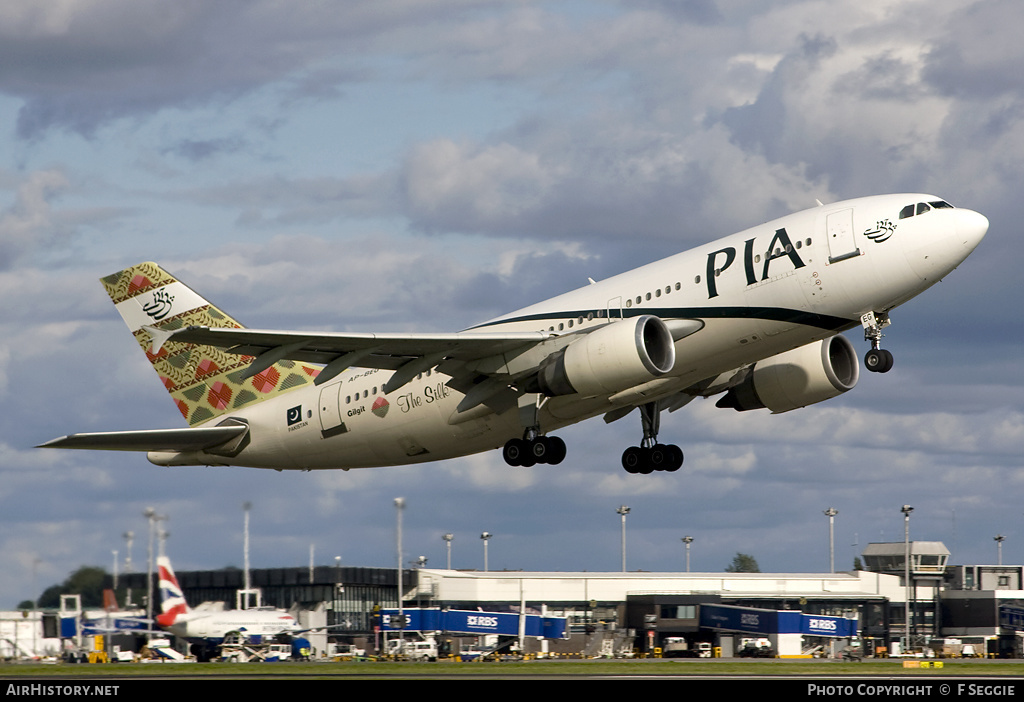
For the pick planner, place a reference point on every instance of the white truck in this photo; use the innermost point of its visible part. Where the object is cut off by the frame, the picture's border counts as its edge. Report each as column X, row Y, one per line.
column 414, row 650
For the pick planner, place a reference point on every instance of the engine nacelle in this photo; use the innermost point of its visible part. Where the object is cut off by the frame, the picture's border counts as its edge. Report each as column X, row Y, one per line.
column 806, row 375
column 612, row 358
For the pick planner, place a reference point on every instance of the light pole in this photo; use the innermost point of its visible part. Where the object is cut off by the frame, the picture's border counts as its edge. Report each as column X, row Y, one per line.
column 448, row 548
column 486, row 536
column 831, row 513
column 906, row 510
column 399, row 506
column 623, row 510
column 150, row 514
column 999, row 538
column 246, row 508
column 129, row 538
column 687, row 540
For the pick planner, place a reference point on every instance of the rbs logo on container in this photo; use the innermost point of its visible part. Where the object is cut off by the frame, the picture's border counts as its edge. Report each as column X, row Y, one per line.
column 474, row 620
column 823, row 624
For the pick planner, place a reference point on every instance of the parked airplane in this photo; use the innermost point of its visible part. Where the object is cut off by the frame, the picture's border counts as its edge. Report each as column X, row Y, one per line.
column 206, row 627
column 755, row 317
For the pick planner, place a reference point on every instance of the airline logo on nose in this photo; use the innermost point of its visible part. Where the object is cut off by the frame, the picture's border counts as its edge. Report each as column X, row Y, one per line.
column 882, row 231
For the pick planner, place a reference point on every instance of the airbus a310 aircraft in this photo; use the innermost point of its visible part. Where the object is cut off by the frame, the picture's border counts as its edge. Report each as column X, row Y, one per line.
column 755, row 317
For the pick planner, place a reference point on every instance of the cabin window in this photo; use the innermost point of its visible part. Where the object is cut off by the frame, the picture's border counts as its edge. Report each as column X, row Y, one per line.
column 629, row 303
column 657, row 293
column 648, row 297
column 696, row 280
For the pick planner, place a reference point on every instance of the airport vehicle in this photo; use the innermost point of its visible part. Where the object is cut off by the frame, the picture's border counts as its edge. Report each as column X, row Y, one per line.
column 755, row 317
column 425, row 650
column 208, row 627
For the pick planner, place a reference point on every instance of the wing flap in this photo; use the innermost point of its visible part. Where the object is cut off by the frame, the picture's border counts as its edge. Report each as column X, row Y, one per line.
column 192, row 439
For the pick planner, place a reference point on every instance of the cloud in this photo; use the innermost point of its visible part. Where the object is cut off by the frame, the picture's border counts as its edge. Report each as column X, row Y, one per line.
column 30, row 223
column 80, row 65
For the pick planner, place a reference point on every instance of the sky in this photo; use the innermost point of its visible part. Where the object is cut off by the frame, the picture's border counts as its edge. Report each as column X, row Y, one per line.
column 424, row 165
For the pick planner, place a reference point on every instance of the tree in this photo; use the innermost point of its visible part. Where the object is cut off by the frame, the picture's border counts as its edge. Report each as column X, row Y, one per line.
column 742, row 563
column 87, row 581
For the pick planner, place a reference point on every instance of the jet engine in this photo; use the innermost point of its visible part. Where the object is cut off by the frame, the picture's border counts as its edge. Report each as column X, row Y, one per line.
column 818, row 371
column 611, row 358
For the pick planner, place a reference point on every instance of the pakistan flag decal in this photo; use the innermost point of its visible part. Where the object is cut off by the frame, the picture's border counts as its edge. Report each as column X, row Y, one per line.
column 380, row 407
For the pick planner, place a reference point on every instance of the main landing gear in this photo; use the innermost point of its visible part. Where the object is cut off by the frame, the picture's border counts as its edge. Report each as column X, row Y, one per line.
column 877, row 360
column 532, row 448
column 650, row 456
column 527, row 452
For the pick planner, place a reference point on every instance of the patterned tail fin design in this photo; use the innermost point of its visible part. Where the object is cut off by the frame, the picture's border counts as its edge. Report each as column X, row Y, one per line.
column 204, row 381
column 172, row 600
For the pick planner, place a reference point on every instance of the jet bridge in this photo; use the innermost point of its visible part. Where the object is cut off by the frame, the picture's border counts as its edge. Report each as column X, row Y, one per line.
column 784, row 628
column 475, row 623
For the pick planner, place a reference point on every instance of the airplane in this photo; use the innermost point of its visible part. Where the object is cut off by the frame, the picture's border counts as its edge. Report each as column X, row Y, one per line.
column 206, row 627
column 756, row 317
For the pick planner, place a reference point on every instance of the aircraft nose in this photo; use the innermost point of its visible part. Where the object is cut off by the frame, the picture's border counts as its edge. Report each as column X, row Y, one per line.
column 971, row 227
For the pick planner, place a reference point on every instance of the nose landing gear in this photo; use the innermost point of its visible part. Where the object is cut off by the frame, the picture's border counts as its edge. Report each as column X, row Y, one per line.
column 877, row 360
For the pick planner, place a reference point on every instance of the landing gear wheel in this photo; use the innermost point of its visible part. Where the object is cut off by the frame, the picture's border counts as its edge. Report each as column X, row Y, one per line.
column 675, row 458
column 540, row 448
column 514, row 452
column 556, row 451
column 878, row 361
column 633, row 459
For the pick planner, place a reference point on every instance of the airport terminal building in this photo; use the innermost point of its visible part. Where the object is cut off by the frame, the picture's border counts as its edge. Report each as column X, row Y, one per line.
column 641, row 611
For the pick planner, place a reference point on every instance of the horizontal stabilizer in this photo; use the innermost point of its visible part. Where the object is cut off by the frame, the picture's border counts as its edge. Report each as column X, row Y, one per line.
column 194, row 439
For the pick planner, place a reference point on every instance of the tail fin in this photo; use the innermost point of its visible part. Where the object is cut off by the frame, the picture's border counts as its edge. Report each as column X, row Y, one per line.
column 172, row 600
column 204, row 381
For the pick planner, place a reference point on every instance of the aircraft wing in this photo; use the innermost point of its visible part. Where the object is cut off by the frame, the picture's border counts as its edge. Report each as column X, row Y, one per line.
column 407, row 354
column 193, row 439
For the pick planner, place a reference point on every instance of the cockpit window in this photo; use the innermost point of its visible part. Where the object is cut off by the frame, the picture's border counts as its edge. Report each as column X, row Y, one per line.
column 922, row 207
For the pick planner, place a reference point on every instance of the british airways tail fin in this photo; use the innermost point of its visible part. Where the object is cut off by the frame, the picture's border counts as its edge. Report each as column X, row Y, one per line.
column 204, row 381
column 172, row 600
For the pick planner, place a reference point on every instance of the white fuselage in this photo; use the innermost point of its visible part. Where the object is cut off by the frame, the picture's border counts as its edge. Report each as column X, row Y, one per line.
column 760, row 292
column 214, row 626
